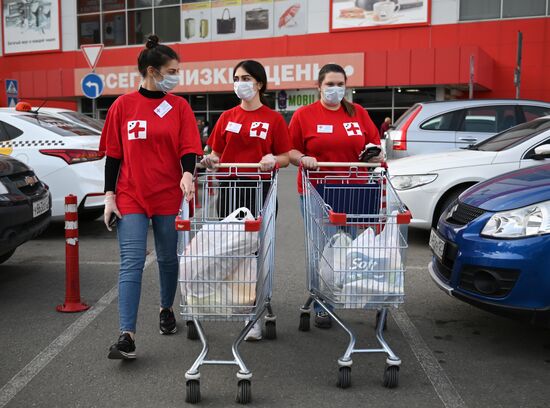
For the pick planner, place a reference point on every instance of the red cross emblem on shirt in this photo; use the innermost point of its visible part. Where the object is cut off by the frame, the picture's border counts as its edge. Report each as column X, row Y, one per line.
column 137, row 129
column 259, row 129
column 353, row 129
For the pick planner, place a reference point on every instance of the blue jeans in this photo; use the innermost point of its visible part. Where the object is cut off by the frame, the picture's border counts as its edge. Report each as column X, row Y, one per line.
column 132, row 239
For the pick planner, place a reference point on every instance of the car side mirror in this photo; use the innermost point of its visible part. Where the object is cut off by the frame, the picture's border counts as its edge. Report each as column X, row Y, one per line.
column 542, row 152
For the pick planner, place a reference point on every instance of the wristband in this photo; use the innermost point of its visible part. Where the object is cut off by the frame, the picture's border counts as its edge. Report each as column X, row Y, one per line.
column 301, row 157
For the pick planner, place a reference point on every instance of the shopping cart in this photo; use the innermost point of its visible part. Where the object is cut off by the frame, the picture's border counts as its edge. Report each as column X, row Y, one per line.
column 356, row 241
column 226, row 266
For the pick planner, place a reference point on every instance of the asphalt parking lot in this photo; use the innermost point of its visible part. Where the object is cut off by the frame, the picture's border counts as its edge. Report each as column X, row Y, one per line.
column 453, row 354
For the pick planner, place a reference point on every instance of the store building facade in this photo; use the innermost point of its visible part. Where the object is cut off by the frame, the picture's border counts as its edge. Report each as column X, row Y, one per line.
column 396, row 52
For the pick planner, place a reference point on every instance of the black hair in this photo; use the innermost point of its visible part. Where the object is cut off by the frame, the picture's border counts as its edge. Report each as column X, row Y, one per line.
column 347, row 105
column 256, row 71
column 155, row 55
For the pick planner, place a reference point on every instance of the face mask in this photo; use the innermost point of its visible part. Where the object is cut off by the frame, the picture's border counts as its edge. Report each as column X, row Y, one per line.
column 333, row 95
column 244, row 90
column 167, row 83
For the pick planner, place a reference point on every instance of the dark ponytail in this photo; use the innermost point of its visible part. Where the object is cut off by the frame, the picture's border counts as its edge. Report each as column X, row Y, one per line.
column 256, row 71
column 347, row 105
column 155, row 55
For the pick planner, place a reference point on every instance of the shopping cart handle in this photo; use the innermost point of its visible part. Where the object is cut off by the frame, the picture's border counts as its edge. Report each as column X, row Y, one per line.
column 232, row 165
column 353, row 164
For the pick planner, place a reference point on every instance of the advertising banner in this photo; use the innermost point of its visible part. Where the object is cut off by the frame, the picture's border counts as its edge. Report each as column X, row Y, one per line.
column 290, row 17
column 257, row 16
column 226, row 20
column 196, row 22
column 217, row 76
column 368, row 14
column 30, row 26
column 291, row 101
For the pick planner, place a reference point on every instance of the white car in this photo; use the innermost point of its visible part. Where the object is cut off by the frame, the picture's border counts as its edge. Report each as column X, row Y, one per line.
column 63, row 155
column 429, row 183
column 95, row 125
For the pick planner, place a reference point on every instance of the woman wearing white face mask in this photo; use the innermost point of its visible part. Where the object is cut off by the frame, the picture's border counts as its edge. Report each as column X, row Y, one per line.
column 151, row 142
column 330, row 130
column 248, row 133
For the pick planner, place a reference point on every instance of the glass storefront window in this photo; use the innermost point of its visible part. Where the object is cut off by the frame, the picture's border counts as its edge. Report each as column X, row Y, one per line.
column 524, row 8
column 167, row 24
column 111, row 5
column 198, row 102
column 139, row 3
column 140, row 24
column 89, row 29
column 166, row 2
column 87, row 6
column 222, row 102
column 479, row 9
column 114, row 29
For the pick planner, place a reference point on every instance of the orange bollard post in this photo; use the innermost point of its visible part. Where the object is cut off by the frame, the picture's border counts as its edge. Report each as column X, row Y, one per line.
column 72, row 279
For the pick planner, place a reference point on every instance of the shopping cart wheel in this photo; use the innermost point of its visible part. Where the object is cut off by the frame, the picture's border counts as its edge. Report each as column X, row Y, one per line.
column 391, row 377
column 244, row 392
column 344, row 377
column 192, row 332
column 270, row 330
column 378, row 314
column 304, row 322
column 193, row 391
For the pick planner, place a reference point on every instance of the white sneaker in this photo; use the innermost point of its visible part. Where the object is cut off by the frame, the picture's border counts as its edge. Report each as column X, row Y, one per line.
column 255, row 333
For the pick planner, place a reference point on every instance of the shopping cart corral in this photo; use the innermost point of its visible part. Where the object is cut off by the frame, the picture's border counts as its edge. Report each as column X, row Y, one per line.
column 226, row 252
column 356, row 241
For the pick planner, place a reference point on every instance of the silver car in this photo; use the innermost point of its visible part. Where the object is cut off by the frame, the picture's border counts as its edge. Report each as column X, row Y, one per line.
column 431, row 127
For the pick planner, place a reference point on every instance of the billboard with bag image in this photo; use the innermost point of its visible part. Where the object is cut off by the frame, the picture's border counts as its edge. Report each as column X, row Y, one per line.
column 196, row 21
column 257, row 16
column 226, row 20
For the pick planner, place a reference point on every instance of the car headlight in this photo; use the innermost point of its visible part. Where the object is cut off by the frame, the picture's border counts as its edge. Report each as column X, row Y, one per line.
column 412, row 181
column 522, row 222
column 3, row 188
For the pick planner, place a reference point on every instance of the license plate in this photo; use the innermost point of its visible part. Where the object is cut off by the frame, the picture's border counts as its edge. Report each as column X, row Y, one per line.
column 40, row 207
column 437, row 244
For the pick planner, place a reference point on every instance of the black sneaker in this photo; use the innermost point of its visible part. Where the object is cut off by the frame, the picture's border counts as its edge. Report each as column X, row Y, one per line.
column 323, row 320
column 123, row 349
column 167, row 322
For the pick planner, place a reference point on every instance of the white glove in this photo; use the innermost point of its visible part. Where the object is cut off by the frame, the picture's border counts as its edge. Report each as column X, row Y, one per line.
column 210, row 161
column 110, row 208
column 187, row 186
column 268, row 162
column 309, row 163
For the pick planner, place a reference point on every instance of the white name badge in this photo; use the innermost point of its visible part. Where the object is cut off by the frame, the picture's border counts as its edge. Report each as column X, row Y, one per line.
column 233, row 127
column 163, row 109
column 324, row 128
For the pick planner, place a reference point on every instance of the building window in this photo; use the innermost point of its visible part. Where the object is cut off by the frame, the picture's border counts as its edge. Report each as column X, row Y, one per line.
column 87, row 6
column 479, row 9
column 114, row 29
column 89, row 29
column 167, row 23
column 111, row 5
column 524, row 8
column 140, row 24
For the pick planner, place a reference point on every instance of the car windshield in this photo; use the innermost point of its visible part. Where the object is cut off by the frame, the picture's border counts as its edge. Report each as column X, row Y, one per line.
column 513, row 137
column 60, row 126
column 80, row 118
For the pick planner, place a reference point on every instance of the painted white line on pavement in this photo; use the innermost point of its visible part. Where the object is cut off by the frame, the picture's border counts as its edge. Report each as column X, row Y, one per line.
column 443, row 386
column 63, row 263
column 23, row 377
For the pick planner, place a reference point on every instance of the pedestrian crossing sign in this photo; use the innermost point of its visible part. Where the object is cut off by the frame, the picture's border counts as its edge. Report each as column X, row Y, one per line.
column 12, row 101
column 12, row 87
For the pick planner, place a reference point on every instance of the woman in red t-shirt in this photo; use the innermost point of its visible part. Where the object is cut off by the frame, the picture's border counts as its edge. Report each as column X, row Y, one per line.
column 330, row 130
column 248, row 133
column 151, row 142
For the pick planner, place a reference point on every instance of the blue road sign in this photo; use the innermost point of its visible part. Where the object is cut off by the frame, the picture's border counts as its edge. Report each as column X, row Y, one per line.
column 92, row 85
column 12, row 87
column 12, row 101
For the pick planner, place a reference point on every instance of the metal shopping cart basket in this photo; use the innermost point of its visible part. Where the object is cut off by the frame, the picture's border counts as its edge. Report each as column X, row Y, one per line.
column 356, row 241
column 227, row 262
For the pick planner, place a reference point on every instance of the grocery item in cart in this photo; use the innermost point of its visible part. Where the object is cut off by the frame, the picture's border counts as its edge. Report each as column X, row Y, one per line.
column 333, row 261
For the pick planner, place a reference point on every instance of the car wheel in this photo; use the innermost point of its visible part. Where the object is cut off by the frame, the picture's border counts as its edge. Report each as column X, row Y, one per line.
column 90, row 215
column 447, row 200
column 6, row 256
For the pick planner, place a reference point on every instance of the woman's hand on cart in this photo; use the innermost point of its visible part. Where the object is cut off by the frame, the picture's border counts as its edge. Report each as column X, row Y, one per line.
column 268, row 162
column 210, row 161
column 110, row 209
column 309, row 163
column 187, row 186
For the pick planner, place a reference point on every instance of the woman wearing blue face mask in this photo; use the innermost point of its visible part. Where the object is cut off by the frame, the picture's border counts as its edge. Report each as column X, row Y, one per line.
column 151, row 142
column 330, row 130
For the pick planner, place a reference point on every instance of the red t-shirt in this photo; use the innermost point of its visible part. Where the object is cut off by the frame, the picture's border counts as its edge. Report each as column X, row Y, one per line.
column 331, row 136
column 150, row 136
column 242, row 136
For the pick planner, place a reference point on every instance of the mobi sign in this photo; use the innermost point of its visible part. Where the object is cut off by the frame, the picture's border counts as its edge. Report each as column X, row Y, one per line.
column 217, row 76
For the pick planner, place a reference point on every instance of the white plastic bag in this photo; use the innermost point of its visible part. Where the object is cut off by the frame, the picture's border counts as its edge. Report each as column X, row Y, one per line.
column 332, row 266
column 215, row 253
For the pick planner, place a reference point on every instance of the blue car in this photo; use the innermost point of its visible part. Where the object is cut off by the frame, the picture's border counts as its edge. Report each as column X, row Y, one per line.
column 491, row 248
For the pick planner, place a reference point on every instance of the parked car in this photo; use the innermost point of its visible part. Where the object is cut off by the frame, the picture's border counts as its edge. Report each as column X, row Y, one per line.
column 429, row 183
column 25, row 205
column 63, row 154
column 491, row 247
column 432, row 127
